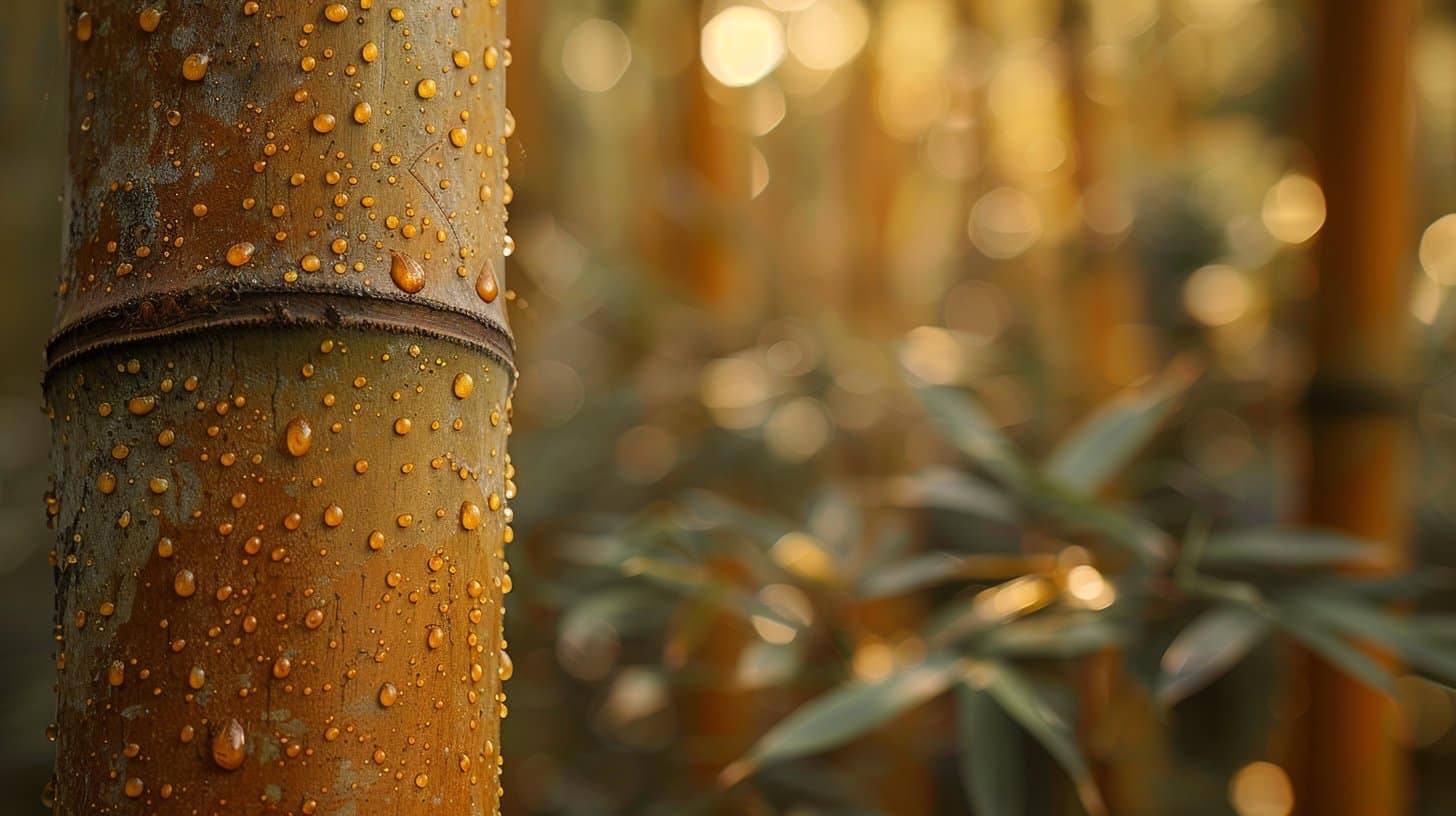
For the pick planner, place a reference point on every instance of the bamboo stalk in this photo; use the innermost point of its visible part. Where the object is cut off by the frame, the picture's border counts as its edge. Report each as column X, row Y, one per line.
column 280, row 396
column 1346, row 760
column 1119, row 726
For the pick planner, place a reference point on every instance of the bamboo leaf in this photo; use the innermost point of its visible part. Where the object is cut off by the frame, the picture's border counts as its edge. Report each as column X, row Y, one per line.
column 693, row 581
column 1104, row 444
column 946, row 489
column 933, row 568
column 1285, row 548
column 1356, row 618
column 1052, row 635
column 1025, row 702
column 845, row 713
column 1207, row 648
column 991, row 763
column 1330, row 645
column 968, row 427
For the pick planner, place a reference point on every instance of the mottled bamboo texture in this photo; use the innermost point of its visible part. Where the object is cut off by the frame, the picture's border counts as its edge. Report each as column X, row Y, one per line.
column 281, row 565
column 280, row 390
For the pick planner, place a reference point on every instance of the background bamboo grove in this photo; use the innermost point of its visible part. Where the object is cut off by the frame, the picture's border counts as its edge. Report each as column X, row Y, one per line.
column 932, row 406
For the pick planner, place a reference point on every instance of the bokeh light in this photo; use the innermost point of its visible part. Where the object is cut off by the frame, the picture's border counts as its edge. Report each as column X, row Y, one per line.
column 742, row 44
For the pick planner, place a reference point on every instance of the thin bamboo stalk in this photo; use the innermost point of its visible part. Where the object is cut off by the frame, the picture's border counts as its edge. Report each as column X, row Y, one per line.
column 1346, row 759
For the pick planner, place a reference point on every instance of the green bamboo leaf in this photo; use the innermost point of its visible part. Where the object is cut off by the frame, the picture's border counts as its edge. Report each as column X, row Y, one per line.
column 991, row 759
column 974, row 433
column 1026, row 703
column 945, row 489
column 1356, row 618
column 1206, row 648
column 938, row 567
column 846, row 713
column 1054, row 635
column 1286, row 548
column 911, row 574
column 1104, row 443
column 718, row 512
column 692, row 581
column 1315, row 634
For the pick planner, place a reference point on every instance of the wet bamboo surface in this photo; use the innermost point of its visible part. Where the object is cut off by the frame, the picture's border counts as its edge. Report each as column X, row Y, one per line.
column 279, row 390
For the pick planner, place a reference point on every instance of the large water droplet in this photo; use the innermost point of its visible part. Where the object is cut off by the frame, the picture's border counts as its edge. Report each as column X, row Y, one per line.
column 230, row 746
column 406, row 273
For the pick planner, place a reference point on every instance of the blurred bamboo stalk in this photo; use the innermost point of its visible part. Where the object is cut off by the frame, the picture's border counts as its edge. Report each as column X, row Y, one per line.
column 698, row 256
column 1120, row 729
column 1346, row 762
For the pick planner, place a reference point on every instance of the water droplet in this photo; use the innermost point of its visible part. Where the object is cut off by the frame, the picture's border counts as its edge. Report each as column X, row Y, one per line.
column 141, row 406
column 324, row 122
column 422, row 780
column 197, row 677
column 314, row 618
column 194, row 67
column 464, row 385
column 376, row 540
column 406, row 273
column 282, row 667
column 230, row 746
column 333, row 515
column 435, row 637
column 486, row 285
column 185, row 583
column 426, row 88
column 84, row 27
column 470, row 515
column 116, row 673
column 240, row 253
column 507, row 668
column 336, row 12
column 298, row 436
column 459, row 136
column 370, row 52
column 402, row 426
column 133, row 787
column 388, row 694
column 149, row 19
column 362, row 112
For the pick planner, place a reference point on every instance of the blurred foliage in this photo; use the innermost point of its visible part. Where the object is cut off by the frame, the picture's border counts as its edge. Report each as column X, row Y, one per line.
column 811, row 296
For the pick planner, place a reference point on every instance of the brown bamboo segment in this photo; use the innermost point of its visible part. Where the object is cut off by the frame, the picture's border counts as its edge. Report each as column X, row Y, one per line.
column 224, row 155
column 1356, row 467
column 280, row 393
